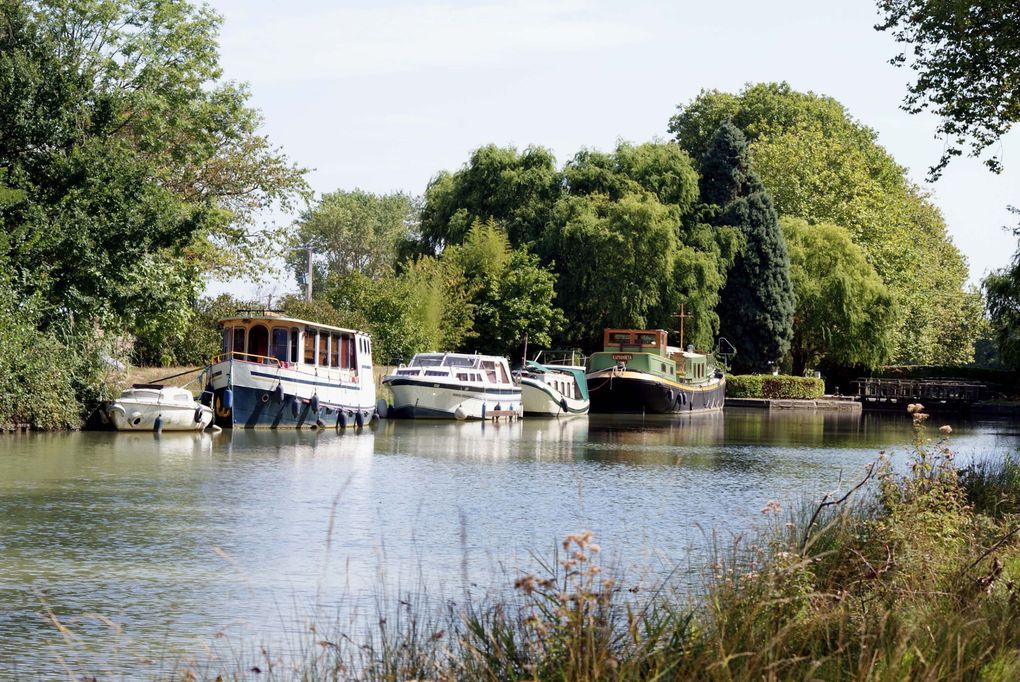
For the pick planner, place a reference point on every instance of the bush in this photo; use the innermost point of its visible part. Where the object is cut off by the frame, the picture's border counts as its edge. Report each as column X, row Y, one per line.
column 771, row 386
column 46, row 382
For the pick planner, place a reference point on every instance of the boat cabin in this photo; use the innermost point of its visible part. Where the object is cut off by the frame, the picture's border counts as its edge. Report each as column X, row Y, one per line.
column 459, row 366
column 267, row 337
column 647, row 350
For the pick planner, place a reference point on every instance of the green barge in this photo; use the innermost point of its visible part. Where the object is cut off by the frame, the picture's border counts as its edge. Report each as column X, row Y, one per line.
column 637, row 372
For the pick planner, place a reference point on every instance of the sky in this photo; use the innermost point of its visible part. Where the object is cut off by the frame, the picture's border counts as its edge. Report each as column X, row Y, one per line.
column 383, row 95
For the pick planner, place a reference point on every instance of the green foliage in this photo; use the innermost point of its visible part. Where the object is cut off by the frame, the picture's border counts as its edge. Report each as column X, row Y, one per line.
column 613, row 259
column 821, row 165
column 511, row 295
column 43, row 382
column 774, row 386
column 756, row 304
column 844, row 313
column 1002, row 291
column 424, row 308
column 190, row 341
column 967, row 58
column 515, row 189
column 354, row 231
column 130, row 168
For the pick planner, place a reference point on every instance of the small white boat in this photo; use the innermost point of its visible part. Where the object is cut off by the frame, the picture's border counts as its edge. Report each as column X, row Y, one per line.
column 154, row 407
column 453, row 386
column 550, row 389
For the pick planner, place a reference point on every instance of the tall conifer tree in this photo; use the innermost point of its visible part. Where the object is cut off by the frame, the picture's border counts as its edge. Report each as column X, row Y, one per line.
column 756, row 306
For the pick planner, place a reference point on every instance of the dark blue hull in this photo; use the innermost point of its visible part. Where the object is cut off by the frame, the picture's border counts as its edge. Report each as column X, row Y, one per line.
column 255, row 408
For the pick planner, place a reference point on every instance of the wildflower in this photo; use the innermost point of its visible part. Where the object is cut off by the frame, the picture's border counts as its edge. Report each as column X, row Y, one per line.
column 945, row 429
column 914, row 408
column 772, row 507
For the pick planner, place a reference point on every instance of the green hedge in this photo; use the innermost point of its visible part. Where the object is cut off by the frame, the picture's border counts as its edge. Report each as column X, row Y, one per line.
column 771, row 386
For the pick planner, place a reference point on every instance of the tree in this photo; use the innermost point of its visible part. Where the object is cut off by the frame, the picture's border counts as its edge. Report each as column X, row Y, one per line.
column 354, row 231
column 821, row 165
column 138, row 169
column 1002, row 292
column 613, row 259
column 844, row 313
column 518, row 190
column 512, row 296
column 756, row 306
column 966, row 56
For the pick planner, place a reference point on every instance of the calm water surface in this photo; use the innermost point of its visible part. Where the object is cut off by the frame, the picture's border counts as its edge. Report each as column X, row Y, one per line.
column 151, row 548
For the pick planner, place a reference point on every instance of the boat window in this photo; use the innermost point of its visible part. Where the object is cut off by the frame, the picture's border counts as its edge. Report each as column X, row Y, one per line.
column 427, row 361
column 619, row 337
column 436, row 373
column 238, row 340
column 258, row 340
column 334, row 351
column 281, row 337
column 294, row 348
column 648, row 339
column 502, row 374
column 490, row 370
column 453, row 361
column 368, row 343
column 309, row 347
column 227, row 331
column 323, row 349
column 463, row 376
column 408, row 372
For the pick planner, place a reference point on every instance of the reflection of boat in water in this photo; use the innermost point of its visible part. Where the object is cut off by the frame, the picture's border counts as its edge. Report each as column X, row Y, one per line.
column 280, row 372
column 638, row 373
column 554, row 387
column 168, row 446
column 477, row 439
column 154, row 407
column 452, row 386
column 696, row 429
column 353, row 442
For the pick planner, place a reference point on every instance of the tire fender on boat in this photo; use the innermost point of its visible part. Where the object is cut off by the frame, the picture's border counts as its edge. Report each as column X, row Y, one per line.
column 157, row 424
column 563, row 404
column 228, row 399
column 278, row 393
column 359, row 419
column 315, row 404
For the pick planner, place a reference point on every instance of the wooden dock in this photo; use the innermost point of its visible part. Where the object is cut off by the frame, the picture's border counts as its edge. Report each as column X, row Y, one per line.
column 937, row 395
column 509, row 415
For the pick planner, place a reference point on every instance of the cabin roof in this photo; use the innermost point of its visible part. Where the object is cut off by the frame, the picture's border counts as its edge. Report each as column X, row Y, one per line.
column 273, row 316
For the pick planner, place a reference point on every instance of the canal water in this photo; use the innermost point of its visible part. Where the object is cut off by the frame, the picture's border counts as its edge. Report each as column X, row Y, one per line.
column 123, row 554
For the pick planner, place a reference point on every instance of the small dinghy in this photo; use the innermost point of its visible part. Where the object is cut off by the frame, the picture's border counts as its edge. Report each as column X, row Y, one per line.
column 154, row 407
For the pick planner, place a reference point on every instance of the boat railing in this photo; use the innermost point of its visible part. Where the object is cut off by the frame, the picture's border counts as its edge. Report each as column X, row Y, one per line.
column 246, row 357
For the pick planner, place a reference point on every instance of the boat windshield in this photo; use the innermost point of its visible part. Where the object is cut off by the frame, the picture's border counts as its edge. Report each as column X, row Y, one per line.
column 455, row 361
column 427, row 361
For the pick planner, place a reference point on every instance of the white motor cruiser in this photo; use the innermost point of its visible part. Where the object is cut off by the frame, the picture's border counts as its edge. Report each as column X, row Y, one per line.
column 554, row 387
column 453, row 386
column 154, row 407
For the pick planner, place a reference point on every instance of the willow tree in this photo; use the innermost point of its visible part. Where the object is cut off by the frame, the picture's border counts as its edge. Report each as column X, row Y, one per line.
column 844, row 313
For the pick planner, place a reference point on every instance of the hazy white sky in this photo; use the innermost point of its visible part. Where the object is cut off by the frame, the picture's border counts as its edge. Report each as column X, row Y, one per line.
column 382, row 95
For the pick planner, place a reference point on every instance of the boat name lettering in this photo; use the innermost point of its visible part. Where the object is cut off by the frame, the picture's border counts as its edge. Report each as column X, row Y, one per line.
column 622, row 356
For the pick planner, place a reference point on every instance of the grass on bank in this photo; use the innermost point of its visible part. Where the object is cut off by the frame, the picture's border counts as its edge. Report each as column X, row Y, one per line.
column 903, row 576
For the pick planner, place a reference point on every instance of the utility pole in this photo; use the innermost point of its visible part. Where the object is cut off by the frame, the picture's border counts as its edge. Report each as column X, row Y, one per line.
column 682, row 316
column 308, row 276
